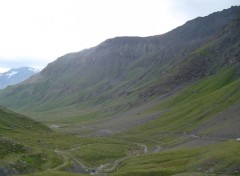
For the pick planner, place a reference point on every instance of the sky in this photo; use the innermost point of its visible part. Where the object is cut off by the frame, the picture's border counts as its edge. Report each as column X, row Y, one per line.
column 37, row 32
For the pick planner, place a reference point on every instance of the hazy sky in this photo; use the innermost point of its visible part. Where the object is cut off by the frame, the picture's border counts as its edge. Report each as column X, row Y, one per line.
column 36, row 32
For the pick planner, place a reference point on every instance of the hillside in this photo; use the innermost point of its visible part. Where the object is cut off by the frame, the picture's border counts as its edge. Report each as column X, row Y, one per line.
column 161, row 105
column 15, row 76
column 11, row 148
column 26, row 146
column 13, row 121
column 128, row 69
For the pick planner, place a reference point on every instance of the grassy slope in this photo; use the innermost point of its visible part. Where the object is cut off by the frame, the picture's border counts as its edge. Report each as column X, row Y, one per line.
column 187, row 111
column 13, row 121
column 212, row 160
column 55, row 173
column 120, row 68
column 193, row 106
column 184, row 113
column 29, row 146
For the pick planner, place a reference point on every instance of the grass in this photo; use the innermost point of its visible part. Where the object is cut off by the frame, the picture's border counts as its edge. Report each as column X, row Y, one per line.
column 53, row 173
column 103, row 153
column 166, row 163
column 9, row 147
column 184, row 112
column 213, row 160
column 193, row 106
column 29, row 146
column 113, row 87
column 40, row 154
column 221, row 158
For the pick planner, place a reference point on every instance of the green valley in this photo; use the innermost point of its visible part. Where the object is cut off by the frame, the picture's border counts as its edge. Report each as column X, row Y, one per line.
column 165, row 105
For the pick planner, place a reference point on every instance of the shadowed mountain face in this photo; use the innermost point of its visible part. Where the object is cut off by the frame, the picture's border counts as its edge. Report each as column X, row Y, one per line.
column 132, row 68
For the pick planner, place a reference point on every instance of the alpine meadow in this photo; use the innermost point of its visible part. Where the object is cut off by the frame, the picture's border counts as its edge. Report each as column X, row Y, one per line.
column 164, row 105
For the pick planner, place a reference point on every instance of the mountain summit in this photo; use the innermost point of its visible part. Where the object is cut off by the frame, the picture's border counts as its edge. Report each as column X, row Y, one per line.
column 16, row 75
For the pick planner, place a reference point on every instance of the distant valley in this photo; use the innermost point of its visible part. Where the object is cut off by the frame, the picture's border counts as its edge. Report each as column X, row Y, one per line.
column 161, row 105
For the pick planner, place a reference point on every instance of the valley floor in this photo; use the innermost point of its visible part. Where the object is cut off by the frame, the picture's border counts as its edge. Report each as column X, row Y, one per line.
column 193, row 131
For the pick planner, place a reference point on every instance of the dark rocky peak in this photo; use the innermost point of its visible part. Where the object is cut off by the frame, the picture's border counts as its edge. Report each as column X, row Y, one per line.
column 200, row 28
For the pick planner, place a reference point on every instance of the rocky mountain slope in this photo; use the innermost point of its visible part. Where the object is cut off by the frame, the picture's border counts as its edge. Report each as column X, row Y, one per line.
column 15, row 76
column 131, row 69
column 160, row 105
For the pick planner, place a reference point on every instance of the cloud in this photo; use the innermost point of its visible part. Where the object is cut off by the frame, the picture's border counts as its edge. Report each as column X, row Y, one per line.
column 193, row 8
column 20, row 62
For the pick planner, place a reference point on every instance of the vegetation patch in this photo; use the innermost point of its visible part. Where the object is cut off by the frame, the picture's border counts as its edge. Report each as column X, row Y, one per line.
column 213, row 160
column 100, row 153
column 8, row 146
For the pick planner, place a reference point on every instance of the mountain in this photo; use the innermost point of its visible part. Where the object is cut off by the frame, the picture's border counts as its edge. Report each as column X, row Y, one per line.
column 161, row 105
column 130, row 69
column 16, row 75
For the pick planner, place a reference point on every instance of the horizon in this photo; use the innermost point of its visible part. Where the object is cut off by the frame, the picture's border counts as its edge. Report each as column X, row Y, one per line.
column 42, row 37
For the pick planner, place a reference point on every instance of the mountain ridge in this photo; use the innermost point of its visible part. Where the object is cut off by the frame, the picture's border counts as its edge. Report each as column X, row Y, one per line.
column 160, row 105
column 16, row 75
column 122, row 68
